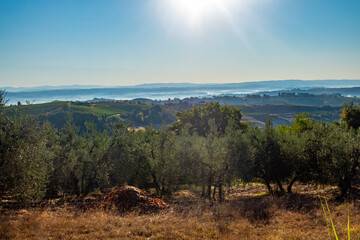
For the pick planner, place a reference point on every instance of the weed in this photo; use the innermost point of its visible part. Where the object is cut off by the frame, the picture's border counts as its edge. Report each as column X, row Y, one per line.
column 327, row 215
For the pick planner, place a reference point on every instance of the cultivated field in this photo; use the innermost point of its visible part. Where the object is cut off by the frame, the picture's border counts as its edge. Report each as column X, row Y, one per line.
column 247, row 213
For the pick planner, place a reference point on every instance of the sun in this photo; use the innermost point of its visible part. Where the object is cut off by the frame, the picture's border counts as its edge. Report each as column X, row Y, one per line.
column 195, row 13
column 197, row 18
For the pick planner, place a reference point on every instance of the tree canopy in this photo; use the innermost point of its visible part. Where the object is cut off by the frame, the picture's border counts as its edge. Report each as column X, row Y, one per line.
column 198, row 119
column 351, row 115
column 207, row 146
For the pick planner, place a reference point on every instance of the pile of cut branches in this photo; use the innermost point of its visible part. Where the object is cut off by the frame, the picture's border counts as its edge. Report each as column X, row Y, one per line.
column 129, row 198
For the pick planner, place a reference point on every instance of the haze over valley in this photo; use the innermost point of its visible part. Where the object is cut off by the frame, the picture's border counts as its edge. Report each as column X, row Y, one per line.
column 165, row 91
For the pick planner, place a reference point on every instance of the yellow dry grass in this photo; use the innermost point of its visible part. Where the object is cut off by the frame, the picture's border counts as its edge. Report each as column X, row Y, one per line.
column 258, row 217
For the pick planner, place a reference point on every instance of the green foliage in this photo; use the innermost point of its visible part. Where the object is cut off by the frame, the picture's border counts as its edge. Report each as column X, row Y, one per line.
column 207, row 146
column 2, row 99
column 188, row 151
column 164, row 166
column 241, row 155
column 302, row 123
column 331, row 155
column 81, row 163
column 351, row 115
column 64, row 179
column 344, row 151
column 197, row 119
column 25, row 156
column 268, row 162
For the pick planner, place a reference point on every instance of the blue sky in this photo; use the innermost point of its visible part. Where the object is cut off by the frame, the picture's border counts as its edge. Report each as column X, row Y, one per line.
column 128, row 42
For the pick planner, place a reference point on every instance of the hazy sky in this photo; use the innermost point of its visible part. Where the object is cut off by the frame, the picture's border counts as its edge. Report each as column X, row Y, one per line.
column 127, row 42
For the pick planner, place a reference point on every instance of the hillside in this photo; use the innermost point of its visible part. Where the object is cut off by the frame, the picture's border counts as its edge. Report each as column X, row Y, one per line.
column 284, row 114
column 143, row 114
column 101, row 113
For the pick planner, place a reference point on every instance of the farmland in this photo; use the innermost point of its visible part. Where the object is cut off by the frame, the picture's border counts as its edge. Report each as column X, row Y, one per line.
column 145, row 114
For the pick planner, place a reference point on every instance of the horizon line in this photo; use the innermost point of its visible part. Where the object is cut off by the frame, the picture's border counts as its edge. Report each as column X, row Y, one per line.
column 174, row 83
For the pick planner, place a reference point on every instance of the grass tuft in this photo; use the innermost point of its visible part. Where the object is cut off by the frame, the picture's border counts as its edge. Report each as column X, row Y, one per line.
column 326, row 218
column 332, row 222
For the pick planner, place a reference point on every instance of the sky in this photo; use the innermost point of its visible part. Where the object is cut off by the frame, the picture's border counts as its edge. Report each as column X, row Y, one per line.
column 129, row 42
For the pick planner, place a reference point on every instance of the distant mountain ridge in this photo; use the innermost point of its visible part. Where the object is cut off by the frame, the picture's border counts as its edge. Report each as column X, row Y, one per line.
column 162, row 91
column 290, row 84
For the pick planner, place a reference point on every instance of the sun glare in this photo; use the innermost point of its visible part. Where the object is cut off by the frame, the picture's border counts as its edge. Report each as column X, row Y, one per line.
column 194, row 11
column 193, row 14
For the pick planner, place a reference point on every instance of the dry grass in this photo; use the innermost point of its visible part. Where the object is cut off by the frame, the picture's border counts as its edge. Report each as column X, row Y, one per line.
column 241, row 217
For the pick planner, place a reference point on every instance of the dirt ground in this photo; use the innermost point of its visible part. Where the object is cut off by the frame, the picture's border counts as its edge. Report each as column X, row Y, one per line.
column 247, row 213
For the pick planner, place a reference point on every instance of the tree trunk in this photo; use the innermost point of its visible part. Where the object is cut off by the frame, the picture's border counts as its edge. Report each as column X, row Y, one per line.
column 280, row 186
column 269, row 187
column 75, row 184
column 289, row 187
column 156, row 184
column 203, row 191
column 163, row 188
column 83, row 179
column 346, row 183
column 345, row 186
column 208, row 194
column 214, row 192
column 221, row 193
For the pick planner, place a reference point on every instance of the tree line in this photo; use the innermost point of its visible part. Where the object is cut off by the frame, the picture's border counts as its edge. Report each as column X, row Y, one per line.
column 208, row 147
